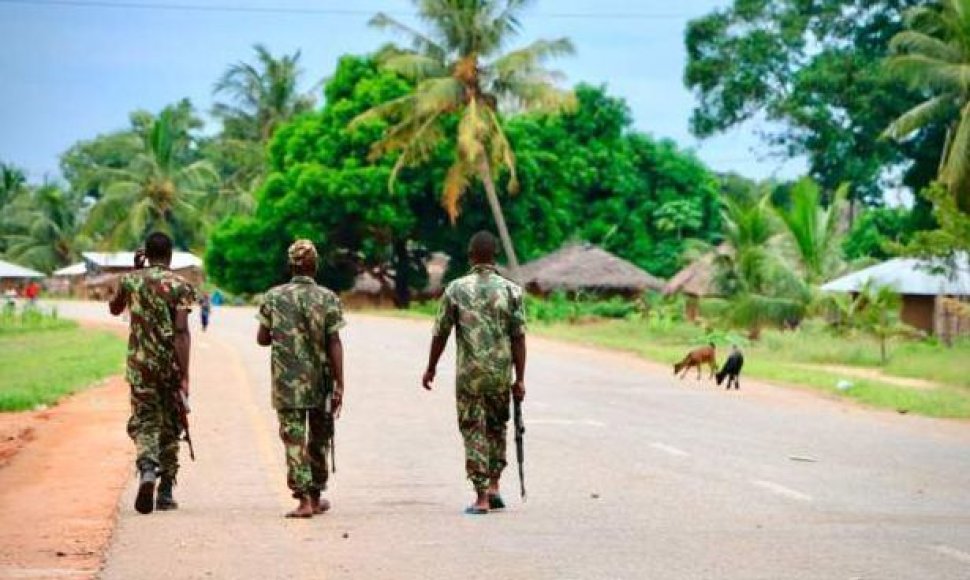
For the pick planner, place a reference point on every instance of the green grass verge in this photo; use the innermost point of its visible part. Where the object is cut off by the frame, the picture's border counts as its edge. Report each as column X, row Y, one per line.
column 41, row 366
column 779, row 355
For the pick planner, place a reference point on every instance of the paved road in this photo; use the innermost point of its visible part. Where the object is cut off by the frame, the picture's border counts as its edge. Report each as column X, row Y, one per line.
column 632, row 474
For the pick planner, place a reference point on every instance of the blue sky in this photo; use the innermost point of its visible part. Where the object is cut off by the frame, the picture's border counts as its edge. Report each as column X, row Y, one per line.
column 70, row 73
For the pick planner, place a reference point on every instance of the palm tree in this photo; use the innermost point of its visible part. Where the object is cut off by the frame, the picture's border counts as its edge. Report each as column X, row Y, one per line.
column 933, row 55
column 161, row 188
column 50, row 222
column 813, row 230
column 760, row 284
column 749, row 231
column 459, row 70
column 263, row 96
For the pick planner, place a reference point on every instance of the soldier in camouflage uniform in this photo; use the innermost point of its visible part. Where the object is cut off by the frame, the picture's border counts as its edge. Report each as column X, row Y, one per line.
column 301, row 321
column 489, row 317
column 158, row 362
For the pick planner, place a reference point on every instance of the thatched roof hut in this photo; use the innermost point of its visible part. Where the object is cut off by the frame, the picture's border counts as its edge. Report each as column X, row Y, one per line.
column 697, row 278
column 586, row 268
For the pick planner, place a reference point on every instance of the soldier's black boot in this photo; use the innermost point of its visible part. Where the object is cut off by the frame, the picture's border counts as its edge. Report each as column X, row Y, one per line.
column 165, row 500
column 145, row 500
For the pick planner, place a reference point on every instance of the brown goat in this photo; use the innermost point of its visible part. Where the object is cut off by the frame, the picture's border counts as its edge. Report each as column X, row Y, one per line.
column 697, row 357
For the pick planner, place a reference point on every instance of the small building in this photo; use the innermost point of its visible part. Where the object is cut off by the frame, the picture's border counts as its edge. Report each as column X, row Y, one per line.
column 923, row 285
column 697, row 281
column 68, row 280
column 15, row 277
column 585, row 268
column 95, row 277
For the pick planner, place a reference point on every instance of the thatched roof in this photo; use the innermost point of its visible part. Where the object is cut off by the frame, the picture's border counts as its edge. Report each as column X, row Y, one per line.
column 697, row 278
column 585, row 267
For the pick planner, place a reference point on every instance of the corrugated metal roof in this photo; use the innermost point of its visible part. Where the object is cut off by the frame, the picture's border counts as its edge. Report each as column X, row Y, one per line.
column 180, row 260
column 909, row 276
column 8, row 270
column 78, row 269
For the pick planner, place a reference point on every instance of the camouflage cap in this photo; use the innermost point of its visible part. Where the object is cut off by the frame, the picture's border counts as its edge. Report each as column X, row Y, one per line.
column 302, row 253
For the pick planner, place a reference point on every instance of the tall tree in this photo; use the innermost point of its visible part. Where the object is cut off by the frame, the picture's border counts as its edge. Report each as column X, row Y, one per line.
column 262, row 95
column 459, row 70
column 162, row 187
column 933, row 56
column 813, row 69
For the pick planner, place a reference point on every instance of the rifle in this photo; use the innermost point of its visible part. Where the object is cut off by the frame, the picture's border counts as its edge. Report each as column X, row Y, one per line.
column 519, row 445
column 182, row 406
column 328, row 409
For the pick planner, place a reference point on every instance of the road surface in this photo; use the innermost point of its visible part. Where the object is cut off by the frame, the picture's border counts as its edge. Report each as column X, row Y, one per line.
column 631, row 474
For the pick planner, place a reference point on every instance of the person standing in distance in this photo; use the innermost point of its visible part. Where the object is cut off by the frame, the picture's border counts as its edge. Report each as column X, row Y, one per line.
column 301, row 321
column 158, row 365
column 488, row 315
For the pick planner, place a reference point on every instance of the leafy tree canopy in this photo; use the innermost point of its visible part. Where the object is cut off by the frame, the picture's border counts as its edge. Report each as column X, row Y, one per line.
column 816, row 68
column 584, row 174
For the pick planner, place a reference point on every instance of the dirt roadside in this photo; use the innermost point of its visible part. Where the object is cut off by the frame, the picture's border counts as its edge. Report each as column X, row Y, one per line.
column 62, row 470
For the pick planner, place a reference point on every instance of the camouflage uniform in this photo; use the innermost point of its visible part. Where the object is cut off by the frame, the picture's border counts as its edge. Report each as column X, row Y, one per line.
column 488, row 312
column 300, row 315
column 154, row 295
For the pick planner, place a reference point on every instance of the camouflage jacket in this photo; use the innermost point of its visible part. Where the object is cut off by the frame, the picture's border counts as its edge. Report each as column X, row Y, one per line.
column 154, row 294
column 487, row 311
column 300, row 315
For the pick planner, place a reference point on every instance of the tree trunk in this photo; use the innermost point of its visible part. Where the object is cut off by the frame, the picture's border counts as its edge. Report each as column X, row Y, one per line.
column 503, row 231
column 882, row 348
column 402, row 275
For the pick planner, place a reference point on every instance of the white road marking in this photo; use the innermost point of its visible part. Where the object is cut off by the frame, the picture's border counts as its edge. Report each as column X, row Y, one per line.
column 669, row 449
column 952, row 552
column 781, row 490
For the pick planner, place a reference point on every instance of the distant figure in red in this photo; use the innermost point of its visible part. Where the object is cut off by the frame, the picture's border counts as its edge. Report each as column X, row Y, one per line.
column 32, row 291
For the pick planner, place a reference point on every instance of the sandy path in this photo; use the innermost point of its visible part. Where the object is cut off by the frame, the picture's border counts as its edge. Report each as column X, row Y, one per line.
column 58, row 495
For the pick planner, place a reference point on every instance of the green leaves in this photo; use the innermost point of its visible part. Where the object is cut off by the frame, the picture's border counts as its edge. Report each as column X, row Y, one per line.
column 934, row 57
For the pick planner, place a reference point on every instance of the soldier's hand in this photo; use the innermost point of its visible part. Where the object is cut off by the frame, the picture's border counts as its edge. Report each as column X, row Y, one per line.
column 184, row 386
column 428, row 379
column 518, row 390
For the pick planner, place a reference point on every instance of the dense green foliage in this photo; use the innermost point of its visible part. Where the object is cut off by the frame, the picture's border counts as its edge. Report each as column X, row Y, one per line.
column 583, row 174
column 461, row 71
column 817, row 69
column 933, row 57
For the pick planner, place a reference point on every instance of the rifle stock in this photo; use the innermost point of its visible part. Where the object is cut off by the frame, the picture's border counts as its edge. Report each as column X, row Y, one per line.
column 182, row 404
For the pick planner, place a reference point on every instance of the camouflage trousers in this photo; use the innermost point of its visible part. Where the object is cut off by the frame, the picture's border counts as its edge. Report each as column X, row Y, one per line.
column 154, row 426
column 483, row 416
column 306, row 437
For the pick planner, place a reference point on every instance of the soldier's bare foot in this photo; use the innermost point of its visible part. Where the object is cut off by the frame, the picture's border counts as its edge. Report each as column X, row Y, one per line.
column 304, row 510
column 320, row 505
column 480, row 507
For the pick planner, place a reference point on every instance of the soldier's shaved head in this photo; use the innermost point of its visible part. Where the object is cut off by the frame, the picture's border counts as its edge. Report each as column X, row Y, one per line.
column 482, row 248
column 158, row 248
